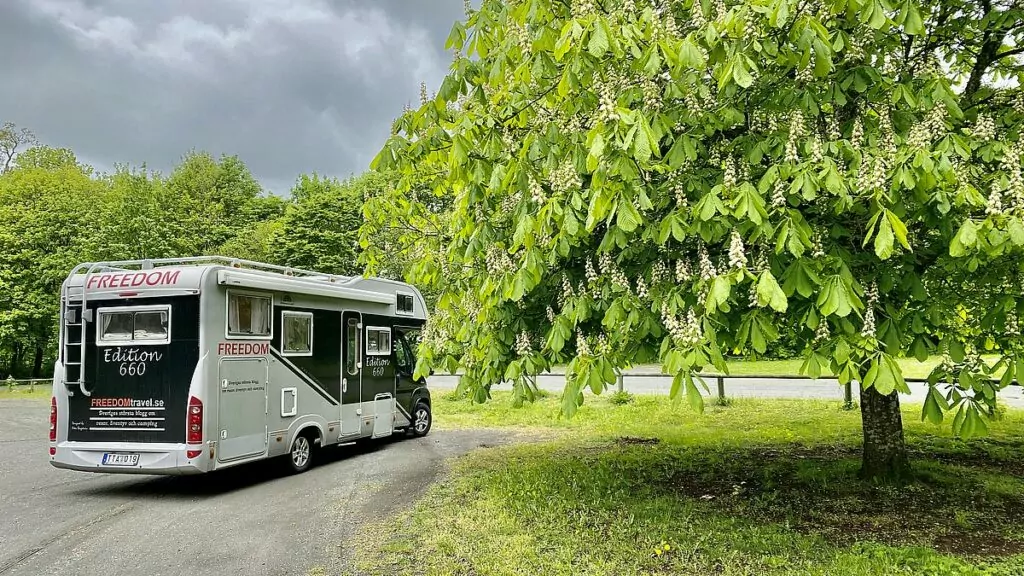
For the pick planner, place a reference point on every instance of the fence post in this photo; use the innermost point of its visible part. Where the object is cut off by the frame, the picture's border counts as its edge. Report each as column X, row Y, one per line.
column 10, row 383
column 721, row 389
column 618, row 381
column 848, row 396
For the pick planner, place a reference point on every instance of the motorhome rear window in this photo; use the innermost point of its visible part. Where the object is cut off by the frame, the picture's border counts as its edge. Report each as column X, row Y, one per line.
column 405, row 303
column 143, row 325
column 297, row 333
column 248, row 315
column 378, row 341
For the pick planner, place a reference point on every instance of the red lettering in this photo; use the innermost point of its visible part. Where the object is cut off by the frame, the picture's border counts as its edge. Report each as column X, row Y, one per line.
column 172, row 277
column 138, row 279
column 92, row 280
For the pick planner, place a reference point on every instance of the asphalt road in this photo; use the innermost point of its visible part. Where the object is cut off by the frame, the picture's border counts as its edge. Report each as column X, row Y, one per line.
column 645, row 380
column 253, row 520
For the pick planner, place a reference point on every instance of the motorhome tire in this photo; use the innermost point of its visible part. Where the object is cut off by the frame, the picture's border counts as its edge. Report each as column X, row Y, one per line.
column 421, row 419
column 301, row 454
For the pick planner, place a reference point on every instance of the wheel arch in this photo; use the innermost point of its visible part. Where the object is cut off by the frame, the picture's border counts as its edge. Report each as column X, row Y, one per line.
column 307, row 428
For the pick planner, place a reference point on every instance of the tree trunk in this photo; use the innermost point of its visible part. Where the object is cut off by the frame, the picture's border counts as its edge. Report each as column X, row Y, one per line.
column 37, row 362
column 885, row 453
column 16, row 356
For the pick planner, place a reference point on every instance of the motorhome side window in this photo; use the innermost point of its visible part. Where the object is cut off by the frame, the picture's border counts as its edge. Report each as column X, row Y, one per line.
column 248, row 315
column 149, row 325
column 297, row 333
column 406, row 340
column 378, row 341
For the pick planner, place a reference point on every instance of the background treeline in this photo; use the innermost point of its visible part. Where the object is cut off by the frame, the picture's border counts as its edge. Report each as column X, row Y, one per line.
column 56, row 211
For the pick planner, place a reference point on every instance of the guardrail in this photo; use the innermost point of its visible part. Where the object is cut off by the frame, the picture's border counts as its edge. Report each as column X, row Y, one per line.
column 720, row 381
column 12, row 383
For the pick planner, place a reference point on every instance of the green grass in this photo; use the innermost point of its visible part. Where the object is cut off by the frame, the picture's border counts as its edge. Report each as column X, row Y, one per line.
column 42, row 392
column 758, row 487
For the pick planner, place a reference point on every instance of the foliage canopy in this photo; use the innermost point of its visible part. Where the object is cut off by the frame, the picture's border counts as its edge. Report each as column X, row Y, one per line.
column 681, row 181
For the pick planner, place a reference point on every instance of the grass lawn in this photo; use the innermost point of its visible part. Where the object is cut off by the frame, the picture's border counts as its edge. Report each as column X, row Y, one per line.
column 757, row 487
column 42, row 392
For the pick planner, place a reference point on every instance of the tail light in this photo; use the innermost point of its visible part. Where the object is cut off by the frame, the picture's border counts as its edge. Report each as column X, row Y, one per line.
column 53, row 424
column 195, row 425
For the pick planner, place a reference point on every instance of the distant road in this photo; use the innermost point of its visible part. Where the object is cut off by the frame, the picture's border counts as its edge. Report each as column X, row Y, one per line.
column 735, row 387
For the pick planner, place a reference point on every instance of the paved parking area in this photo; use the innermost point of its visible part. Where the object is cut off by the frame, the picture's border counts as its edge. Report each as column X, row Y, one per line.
column 253, row 520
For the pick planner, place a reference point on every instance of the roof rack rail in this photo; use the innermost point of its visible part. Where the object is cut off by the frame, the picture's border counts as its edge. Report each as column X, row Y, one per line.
column 149, row 263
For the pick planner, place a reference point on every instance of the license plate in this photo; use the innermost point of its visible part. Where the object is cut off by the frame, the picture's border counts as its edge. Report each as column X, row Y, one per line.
column 112, row 459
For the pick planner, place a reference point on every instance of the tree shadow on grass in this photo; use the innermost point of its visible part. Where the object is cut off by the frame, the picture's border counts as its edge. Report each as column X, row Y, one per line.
column 958, row 502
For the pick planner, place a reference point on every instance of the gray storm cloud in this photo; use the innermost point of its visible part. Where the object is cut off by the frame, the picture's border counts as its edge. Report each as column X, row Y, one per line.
column 291, row 86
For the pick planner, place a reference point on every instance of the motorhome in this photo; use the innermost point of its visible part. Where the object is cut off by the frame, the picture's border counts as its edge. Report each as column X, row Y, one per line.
column 191, row 365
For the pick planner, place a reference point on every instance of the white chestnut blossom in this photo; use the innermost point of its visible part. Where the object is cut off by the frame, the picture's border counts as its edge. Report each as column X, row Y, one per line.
column 498, row 261
column 582, row 347
column 523, row 344
column 591, row 273
column 817, row 248
column 868, row 330
column 985, row 128
column 582, row 8
column 550, row 314
column 537, row 191
column 707, row 269
column 737, row 256
column 697, row 18
column 659, row 272
column 565, row 178
column 641, row 288
column 857, row 136
column 1012, row 326
column 604, row 347
column 606, row 109
column 821, row 333
column 779, row 194
column 817, row 155
column 683, row 273
column 1011, row 164
column 994, row 204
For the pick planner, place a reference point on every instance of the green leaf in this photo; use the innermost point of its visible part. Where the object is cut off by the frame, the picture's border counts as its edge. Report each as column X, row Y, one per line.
column 740, row 74
column 598, row 41
column 627, row 217
column 898, row 228
column 718, row 295
column 920, row 349
column 596, row 150
column 1016, row 231
column 769, row 292
column 690, row 56
column 884, row 240
column 641, row 143
column 647, row 132
column 693, row 395
column 912, row 23
column 934, row 406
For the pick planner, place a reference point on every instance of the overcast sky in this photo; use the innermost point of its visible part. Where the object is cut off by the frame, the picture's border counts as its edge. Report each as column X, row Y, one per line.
column 291, row 86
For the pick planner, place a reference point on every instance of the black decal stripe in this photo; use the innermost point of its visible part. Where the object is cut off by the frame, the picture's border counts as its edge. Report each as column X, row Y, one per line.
column 302, row 376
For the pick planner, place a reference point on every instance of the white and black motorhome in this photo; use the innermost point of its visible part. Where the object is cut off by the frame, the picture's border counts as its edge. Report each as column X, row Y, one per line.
column 190, row 365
